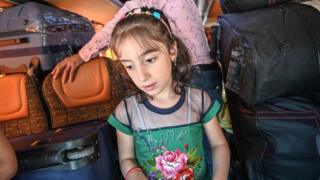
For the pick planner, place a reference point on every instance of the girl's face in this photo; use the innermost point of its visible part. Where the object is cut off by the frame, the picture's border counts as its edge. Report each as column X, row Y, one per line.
column 149, row 69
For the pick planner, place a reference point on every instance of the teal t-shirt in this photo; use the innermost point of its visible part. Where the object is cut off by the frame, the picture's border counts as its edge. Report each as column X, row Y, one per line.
column 169, row 152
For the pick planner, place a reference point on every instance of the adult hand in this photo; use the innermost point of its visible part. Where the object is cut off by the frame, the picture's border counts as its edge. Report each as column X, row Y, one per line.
column 67, row 68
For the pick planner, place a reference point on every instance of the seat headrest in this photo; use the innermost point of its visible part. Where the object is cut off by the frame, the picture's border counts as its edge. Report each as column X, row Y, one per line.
column 13, row 103
column 90, row 85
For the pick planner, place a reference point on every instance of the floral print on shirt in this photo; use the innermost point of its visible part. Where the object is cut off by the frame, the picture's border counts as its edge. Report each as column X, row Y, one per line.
column 175, row 165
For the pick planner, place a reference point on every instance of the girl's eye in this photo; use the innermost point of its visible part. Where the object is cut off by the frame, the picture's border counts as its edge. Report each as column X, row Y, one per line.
column 151, row 60
column 127, row 66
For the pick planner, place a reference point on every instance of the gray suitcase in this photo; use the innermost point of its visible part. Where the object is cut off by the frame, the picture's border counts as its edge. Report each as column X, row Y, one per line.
column 34, row 29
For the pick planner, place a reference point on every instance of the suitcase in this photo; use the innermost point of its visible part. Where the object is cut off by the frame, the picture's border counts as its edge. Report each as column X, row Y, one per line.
column 34, row 29
column 81, row 152
column 271, row 52
column 93, row 94
column 277, row 139
column 21, row 108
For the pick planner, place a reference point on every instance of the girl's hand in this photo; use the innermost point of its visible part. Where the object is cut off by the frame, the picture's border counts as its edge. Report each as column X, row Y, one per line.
column 67, row 68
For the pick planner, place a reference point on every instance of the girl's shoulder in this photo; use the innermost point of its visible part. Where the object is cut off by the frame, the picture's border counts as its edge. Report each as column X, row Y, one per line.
column 198, row 93
column 124, row 108
column 195, row 90
column 127, row 102
column 200, row 98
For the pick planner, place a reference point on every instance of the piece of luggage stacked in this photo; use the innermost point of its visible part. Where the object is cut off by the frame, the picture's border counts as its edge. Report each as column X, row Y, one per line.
column 271, row 61
column 71, row 140
column 33, row 29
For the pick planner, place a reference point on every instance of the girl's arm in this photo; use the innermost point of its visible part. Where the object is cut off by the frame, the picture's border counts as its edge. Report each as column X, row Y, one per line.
column 102, row 38
column 127, row 157
column 184, row 18
column 8, row 161
column 219, row 148
column 67, row 68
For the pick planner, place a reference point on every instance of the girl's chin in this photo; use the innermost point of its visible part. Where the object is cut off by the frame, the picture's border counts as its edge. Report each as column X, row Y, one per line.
column 149, row 93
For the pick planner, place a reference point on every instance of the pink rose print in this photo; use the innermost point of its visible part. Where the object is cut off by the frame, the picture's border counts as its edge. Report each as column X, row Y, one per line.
column 171, row 163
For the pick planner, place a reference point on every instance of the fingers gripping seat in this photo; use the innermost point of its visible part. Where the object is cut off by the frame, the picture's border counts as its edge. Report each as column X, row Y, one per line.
column 93, row 94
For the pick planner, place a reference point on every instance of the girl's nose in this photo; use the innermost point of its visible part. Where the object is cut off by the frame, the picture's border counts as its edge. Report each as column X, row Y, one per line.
column 142, row 74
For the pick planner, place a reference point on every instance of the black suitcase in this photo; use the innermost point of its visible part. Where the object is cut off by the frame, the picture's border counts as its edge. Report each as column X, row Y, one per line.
column 82, row 152
column 34, row 29
column 277, row 139
column 271, row 52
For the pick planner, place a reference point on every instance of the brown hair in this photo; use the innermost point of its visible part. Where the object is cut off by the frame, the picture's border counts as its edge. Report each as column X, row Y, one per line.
column 145, row 29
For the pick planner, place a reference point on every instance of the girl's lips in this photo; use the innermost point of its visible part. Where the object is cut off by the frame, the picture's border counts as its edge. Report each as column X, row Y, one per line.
column 148, row 87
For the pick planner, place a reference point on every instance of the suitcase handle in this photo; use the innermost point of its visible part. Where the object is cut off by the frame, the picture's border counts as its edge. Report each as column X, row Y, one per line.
column 11, row 42
column 79, row 153
column 66, row 155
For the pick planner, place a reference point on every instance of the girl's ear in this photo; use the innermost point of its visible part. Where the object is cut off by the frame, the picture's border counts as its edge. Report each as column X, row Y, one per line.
column 173, row 52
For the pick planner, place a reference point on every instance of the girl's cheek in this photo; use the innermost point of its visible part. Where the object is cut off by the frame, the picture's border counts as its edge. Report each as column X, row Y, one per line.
column 131, row 75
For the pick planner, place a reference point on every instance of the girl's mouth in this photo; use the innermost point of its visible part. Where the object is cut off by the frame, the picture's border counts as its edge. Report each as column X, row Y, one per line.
column 149, row 87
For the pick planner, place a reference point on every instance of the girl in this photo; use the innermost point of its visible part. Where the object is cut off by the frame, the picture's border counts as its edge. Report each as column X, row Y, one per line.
column 159, row 128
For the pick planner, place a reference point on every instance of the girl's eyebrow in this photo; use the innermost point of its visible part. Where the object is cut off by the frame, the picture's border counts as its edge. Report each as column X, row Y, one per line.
column 148, row 51
column 143, row 54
